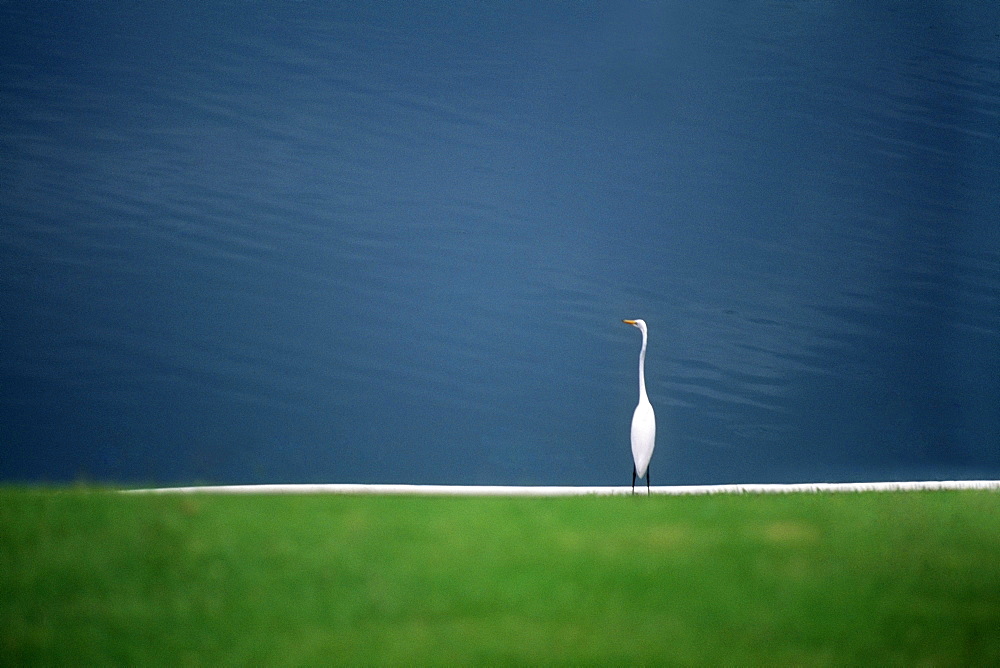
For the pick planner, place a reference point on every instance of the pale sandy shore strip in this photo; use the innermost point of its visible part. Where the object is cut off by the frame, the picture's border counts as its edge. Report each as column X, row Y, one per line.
column 501, row 490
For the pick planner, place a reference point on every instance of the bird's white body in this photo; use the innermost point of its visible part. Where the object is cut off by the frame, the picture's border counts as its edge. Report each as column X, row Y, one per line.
column 643, row 436
column 643, row 420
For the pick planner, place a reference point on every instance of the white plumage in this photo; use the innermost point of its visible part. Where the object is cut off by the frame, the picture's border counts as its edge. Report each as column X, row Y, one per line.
column 643, row 420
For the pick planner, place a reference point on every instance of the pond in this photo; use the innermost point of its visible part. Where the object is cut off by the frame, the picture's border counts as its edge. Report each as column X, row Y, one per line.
column 394, row 242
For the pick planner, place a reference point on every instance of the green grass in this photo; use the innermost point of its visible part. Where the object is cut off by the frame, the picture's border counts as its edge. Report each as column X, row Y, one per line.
column 98, row 578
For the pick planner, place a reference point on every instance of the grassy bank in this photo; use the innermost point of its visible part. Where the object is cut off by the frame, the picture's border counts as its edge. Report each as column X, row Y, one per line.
column 900, row 578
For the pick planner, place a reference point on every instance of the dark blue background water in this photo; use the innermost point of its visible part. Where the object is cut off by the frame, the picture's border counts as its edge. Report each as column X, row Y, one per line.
column 379, row 242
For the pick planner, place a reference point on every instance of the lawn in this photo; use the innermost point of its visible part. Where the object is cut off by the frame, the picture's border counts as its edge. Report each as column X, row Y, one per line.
column 96, row 577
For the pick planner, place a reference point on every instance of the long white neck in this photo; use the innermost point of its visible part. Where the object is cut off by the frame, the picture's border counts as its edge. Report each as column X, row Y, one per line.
column 642, row 369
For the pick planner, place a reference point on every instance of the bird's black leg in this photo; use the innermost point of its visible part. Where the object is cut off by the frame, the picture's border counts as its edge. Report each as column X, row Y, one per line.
column 647, row 481
column 633, row 478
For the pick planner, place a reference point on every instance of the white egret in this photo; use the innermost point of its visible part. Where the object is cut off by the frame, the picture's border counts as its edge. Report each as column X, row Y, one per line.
column 643, row 420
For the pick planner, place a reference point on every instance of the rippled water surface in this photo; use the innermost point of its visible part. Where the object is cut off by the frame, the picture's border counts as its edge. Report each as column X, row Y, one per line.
column 394, row 242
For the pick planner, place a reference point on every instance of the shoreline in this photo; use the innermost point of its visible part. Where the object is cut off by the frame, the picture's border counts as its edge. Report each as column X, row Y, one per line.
column 510, row 490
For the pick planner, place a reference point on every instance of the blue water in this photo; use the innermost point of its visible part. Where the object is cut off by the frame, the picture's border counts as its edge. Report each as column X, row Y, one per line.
column 393, row 242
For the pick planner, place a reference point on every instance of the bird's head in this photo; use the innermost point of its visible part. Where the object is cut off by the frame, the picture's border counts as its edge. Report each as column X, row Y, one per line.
column 641, row 324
